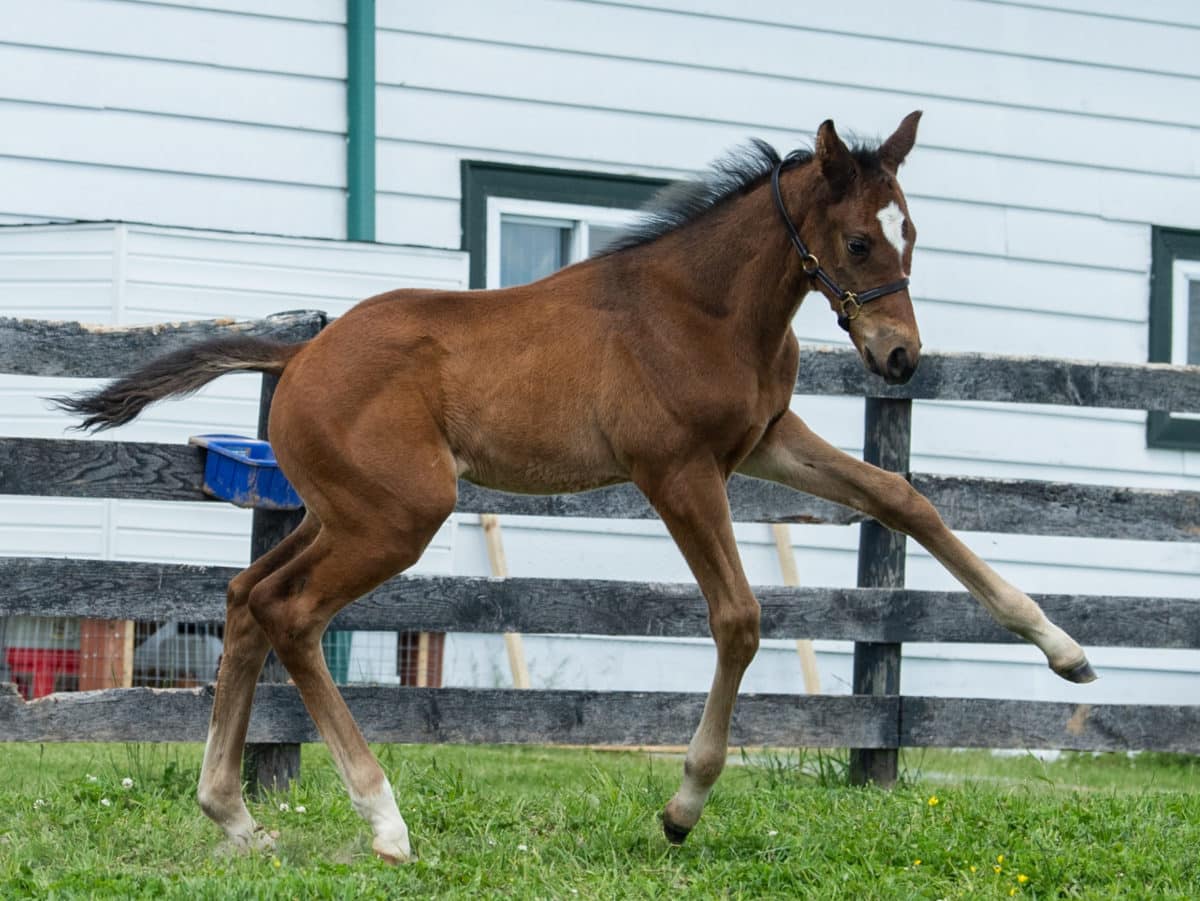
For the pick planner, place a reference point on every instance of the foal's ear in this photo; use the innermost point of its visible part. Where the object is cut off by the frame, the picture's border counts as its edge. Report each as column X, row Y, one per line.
column 837, row 165
column 893, row 151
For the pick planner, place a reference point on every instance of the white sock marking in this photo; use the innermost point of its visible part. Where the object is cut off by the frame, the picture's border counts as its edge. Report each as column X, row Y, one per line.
column 391, row 832
column 892, row 221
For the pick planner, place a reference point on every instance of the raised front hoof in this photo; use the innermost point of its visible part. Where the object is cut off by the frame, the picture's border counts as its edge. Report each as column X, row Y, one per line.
column 675, row 834
column 1081, row 673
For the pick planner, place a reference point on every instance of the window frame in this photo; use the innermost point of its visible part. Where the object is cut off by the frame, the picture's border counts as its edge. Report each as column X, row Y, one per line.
column 483, row 180
column 577, row 217
column 1175, row 262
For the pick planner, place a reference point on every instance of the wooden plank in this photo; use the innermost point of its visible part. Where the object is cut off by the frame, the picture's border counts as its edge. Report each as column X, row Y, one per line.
column 39, row 347
column 147, row 471
column 619, row 718
column 134, row 470
column 105, row 654
column 985, row 723
column 791, row 577
column 77, row 350
column 1008, row 379
column 881, row 564
column 155, row 591
column 753, row 500
column 498, row 564
column 1020, row 506
column 456, row 715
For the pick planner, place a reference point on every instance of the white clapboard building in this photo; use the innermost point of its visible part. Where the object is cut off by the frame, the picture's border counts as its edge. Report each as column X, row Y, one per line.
column 185, row 159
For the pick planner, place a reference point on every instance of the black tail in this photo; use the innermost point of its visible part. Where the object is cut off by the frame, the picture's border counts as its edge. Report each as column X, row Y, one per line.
column 175, row 374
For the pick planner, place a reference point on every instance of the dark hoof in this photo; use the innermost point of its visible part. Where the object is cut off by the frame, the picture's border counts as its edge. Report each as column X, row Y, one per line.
column 675, row 834
column 1080, row 672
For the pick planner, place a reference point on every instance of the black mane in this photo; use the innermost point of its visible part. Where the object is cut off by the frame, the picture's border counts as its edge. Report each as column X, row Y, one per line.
column 737, row 172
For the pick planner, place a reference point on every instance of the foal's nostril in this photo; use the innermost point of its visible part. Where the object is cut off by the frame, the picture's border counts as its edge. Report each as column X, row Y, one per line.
column 900, row 367
column 872, row 363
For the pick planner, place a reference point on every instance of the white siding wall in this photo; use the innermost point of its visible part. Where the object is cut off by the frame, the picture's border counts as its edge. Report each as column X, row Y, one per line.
column 1055, row 135
column 132, row 274
column 1052, row 140
column 175, row 114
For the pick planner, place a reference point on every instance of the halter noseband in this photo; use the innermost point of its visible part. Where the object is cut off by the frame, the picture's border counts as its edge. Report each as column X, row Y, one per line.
column 849, row 302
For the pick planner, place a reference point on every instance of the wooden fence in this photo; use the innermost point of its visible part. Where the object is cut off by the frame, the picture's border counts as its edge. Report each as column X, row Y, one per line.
column 880, row 615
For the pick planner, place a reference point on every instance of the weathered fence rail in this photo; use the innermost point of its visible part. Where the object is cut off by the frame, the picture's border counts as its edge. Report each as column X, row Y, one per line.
column 879, row 616
column 169, row 472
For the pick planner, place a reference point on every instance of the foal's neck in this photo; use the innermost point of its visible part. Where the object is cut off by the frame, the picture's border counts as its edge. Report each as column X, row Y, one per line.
column 737, row 263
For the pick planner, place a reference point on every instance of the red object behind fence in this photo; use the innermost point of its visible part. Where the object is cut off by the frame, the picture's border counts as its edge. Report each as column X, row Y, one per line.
column 44, row 665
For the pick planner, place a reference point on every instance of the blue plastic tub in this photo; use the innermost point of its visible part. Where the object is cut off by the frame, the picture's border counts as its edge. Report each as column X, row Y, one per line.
column 244, row 472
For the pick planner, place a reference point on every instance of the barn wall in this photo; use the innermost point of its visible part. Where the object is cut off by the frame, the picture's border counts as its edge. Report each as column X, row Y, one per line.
column 131, row 274
column 1055, row 135
column 213, row 115
column 1053, row 138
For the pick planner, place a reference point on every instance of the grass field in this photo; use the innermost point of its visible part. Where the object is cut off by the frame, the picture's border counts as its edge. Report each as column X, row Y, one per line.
column 546, row 823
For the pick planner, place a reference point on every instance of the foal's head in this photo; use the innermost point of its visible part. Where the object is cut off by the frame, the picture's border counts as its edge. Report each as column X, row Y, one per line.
column 863, row 238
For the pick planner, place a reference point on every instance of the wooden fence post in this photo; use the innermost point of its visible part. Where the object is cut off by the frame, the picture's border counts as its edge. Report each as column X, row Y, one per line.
column 270, row 766
column 881, row 558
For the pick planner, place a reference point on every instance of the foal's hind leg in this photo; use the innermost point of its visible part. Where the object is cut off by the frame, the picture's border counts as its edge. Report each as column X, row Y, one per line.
column 693, row 504
column 375, row 535
column 245, row 649
column 792, row 454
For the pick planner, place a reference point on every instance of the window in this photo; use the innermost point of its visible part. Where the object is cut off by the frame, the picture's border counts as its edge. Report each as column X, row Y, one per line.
column 1174, row 326
column 537, row 238
column 521, row 223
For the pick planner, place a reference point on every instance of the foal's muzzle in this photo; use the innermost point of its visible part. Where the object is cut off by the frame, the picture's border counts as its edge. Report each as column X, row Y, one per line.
column 899, row 366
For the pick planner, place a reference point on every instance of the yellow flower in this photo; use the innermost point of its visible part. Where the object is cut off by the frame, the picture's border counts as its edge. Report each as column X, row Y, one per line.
column 917, row 862
column 275, row 863
column 1011, row 892
column 1022, row 878
column 999, row 858
column 933, row 801
column 972, row 868
column 997, row 868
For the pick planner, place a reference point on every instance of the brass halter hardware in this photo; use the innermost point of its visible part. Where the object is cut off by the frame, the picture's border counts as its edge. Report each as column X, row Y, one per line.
column 850, row 306
column 851, row 303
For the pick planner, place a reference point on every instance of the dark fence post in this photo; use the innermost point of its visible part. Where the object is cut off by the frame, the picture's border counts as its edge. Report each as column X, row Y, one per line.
column 881, row 557
column 271, row 766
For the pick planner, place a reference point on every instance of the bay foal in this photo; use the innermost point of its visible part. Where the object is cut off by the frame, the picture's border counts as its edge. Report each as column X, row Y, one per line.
column 668, row 361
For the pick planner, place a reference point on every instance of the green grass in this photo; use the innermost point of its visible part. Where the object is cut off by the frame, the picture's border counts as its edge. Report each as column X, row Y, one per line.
column 545, row 823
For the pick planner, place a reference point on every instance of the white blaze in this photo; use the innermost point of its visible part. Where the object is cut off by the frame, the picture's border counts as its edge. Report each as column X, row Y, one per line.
column 892, row 221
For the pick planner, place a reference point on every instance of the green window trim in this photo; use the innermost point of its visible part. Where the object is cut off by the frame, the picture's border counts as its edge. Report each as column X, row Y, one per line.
column 1167, row 246
column 481, row 180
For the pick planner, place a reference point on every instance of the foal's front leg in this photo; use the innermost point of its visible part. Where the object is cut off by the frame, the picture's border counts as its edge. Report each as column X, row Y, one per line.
column 794, row 455
column 693, row 504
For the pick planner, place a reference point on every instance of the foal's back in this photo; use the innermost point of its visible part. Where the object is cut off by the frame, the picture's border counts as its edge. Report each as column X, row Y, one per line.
column 513, row 381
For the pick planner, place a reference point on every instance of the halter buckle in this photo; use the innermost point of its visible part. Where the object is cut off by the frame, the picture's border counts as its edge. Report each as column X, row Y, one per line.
column 809, row 263
column 850, row 305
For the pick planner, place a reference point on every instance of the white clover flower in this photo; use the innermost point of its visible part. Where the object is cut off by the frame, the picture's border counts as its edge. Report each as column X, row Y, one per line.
column 772, row 832
column 126, row 782
column 522, row 847
column 104, row 802
column 284, row 807
column 91, row 778
column 40, row 802
column 300, row 808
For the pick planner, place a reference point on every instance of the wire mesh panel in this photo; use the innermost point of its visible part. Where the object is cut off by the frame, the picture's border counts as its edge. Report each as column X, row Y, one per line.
column 43, row 655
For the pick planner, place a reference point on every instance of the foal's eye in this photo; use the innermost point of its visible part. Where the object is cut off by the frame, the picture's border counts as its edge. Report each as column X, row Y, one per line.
column 858, row 247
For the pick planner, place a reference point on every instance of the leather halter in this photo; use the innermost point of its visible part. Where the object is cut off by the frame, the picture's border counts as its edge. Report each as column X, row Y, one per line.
column 850, row 303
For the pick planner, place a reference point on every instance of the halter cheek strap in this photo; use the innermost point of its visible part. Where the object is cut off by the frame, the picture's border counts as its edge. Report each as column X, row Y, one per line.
column 849, row 302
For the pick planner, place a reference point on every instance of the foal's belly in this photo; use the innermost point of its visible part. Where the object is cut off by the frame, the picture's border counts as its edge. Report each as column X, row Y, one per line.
column 536, row 471
column 537, row 461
